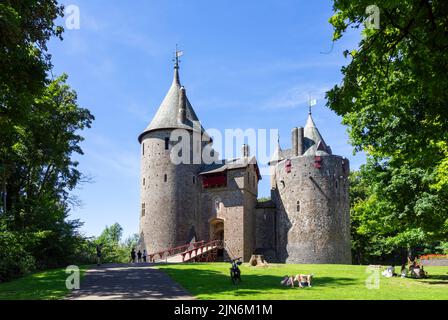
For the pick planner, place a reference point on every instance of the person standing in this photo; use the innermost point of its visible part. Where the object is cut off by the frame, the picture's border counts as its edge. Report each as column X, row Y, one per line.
column 144, row 255
column 139, row 256
column 133, row 255
column 99, row 248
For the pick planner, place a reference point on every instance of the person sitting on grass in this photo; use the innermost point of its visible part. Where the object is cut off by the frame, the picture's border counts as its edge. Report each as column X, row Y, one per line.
column 287, row 281
column 389, row 272
column 303, row 280
column 417, row 272
column 404, row 271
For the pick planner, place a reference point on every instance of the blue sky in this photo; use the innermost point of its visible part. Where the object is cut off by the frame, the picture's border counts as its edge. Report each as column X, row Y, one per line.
column 247, row 64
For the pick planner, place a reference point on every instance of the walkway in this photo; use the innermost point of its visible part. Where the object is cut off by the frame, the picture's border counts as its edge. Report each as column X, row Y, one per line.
column 128, row 281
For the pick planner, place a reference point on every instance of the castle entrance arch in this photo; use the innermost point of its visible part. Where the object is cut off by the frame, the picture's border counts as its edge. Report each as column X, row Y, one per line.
column 217, row 232
column 216, row 229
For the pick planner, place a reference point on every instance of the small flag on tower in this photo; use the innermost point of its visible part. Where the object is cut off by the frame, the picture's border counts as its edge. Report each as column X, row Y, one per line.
column 313, row 102
column 179, row 53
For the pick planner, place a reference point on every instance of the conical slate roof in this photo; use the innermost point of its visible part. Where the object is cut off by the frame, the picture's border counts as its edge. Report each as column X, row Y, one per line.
column 276, row 156
column 313, row 142
column 167, row 117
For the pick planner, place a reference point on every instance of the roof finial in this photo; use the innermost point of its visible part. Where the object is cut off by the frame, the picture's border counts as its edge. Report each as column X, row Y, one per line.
column 311, row 102
column 177, row 54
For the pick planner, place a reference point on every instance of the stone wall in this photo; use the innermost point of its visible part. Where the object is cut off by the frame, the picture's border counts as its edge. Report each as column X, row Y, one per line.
column 265, row 226
column 313, row 223
column 235, row 205
column 170, row 195
column 158, row 225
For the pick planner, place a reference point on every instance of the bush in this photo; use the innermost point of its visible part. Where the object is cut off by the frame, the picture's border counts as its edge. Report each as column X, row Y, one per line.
column 14, row 259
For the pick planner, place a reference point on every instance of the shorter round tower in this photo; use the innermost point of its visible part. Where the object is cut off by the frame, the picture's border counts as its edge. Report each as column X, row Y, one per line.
column 311, row 196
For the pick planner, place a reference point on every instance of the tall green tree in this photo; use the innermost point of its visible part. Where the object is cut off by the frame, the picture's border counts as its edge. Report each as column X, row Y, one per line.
column 394, row 100
column 40, row 125
column 25, row 28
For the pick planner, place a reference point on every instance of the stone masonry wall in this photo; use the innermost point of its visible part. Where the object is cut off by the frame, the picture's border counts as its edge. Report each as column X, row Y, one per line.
column 236, row 206
column 158, row 225
column 265, row 226
column 313, row 211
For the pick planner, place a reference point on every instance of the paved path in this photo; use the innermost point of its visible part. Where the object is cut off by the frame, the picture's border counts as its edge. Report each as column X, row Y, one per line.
column 128, row 281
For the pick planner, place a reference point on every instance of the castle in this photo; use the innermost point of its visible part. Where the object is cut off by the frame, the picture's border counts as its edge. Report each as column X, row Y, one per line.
column 306, row 221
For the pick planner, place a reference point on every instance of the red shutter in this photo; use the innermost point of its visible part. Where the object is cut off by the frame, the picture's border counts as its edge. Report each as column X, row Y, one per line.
column 318, row 162
column 214, row 181
column 288, row 166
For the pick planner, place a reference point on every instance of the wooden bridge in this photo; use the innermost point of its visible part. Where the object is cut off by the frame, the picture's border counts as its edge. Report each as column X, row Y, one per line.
column 200, row 251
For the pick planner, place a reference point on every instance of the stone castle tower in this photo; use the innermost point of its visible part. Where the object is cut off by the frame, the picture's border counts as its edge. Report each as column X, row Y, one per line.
column 169, row 193
column 306, row 220
column 309, row 189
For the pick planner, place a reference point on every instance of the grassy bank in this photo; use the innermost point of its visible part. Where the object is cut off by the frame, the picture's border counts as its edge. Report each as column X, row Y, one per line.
column 44, row 285
column 211, row 281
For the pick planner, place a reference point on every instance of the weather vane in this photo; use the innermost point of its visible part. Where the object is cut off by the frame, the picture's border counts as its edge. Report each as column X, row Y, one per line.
column 311, row 102
column 177, row 55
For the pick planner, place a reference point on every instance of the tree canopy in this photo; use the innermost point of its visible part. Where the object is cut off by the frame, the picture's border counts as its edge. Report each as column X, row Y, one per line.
column 40, row 125
column 393, row 98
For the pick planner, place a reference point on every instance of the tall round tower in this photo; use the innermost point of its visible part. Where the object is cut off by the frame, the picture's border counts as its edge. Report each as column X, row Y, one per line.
column 169, row 191
column 311, row 197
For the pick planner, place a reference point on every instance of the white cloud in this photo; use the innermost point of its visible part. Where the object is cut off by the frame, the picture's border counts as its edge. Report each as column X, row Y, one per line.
column 105, row 157
column 296, row 96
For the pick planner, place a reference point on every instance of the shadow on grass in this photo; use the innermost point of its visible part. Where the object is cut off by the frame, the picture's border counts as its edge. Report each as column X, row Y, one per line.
column 43, row 285
column 435, row 279
column 210, row 282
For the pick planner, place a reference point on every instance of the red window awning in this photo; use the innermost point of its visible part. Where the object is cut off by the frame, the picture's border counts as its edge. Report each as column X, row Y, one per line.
column 210, row 181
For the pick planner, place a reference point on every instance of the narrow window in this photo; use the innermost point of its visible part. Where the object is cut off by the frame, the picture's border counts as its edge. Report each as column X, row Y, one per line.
column 167, row 143
column 143, row 210
column 143, row 149
column 194, row 179
column 165, row 178
column 336, row 184
column 298, row 206
column 144, row 181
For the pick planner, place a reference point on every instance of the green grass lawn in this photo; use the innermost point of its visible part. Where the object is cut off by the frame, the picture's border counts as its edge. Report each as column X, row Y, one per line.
column 44, row 285
column 211, row 281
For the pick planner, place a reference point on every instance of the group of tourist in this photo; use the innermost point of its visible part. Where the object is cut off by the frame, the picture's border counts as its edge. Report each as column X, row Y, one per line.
column 303, row 280
column 139, row 256
column 415, row 270
column 135, row 256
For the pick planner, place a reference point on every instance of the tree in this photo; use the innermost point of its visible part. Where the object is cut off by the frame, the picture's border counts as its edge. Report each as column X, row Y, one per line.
column 114, row 250
column 25, row 28
column 43, row 173
column 40, row 121
column 393, row 99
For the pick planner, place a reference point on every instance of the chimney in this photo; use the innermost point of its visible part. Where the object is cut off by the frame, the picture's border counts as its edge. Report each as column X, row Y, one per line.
column 245, row 150
column 294, row 136
column 300, row 141
column 182, row 105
